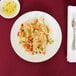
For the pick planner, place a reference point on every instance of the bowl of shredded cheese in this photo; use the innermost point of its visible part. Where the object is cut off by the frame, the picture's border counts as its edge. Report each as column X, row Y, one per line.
column 9, row 8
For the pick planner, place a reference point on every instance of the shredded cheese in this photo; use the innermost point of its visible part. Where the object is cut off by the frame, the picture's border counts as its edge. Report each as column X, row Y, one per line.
column 9, row 8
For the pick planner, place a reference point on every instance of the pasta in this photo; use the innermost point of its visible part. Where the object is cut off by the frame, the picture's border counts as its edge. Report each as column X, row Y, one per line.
column 34, row 36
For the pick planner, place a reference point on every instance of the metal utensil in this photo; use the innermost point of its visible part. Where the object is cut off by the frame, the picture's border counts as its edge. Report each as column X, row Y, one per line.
column 74, row 34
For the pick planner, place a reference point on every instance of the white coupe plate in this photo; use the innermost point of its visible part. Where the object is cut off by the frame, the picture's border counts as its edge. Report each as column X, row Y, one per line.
column 51, row 50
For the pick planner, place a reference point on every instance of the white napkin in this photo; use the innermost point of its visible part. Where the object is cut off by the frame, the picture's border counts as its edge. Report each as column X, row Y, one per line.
column 71, row 54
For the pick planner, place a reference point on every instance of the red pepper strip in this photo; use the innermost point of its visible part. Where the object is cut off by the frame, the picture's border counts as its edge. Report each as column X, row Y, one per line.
column 44, row 53
column 21, row 24
column 35, row 28
column 44, row 33
column 31, row 49
column 40, row 52
column 28, row 46
column 18, row 33
column 30, row 40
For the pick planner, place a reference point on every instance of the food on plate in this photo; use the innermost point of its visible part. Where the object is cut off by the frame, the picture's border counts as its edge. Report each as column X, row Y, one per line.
column 34, row 36
column 9, row 8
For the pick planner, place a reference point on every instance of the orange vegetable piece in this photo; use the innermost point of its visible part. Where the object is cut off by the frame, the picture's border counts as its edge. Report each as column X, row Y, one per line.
column 22, row 34
column 28, row 46
column 26, row 49
column 35, row 28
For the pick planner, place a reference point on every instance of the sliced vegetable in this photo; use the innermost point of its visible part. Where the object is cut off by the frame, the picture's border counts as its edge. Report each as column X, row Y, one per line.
column 28, row 46
column 46, row 36
column 31, row 49
column 44, row 53
column 41, row 49
column 35, row 28
column 21, row 24
column 22, row 28
column 22, row 34
column 44, row 33
column 26, row 49
column 28, row 37
column 36, row 52
column 40, row 52
column 25, row 34
column 30, row 40
column 33, row 53
column 18, row 33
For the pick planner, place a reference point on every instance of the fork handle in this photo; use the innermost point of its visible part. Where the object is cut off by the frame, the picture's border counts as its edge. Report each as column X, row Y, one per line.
column 74, row 39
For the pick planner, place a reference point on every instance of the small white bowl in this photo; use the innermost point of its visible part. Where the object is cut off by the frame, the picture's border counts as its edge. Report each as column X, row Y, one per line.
column 12, row 16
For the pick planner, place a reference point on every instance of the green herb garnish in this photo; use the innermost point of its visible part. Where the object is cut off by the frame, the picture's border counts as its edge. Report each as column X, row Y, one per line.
column 33, row 30
column 46, row 36
column 22, row 29
column 33, row 53
column 25, row 34
column 41, row 49
column 24, row 45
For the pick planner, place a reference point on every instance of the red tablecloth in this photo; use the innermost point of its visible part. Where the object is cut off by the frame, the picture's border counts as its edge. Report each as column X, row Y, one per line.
column 13, row 65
